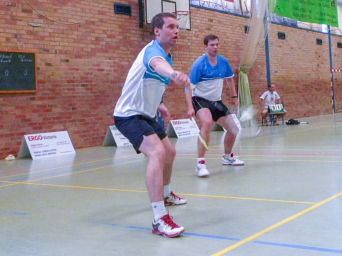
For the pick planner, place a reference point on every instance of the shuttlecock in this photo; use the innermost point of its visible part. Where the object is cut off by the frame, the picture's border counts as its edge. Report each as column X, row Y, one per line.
column 247, row 114
column 10, row 158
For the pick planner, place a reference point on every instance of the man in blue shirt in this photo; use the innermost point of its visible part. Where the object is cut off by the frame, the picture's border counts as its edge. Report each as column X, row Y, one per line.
column 135, row 117
column 208, row 74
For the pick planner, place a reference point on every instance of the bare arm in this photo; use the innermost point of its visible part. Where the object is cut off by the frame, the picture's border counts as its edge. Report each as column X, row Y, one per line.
column 188, row 99
column 230, row 82
column 164, row 112
column 163, row 68
column 262, row 103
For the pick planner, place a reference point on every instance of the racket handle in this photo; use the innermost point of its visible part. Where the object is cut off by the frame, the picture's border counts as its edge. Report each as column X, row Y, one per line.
column 202, row 140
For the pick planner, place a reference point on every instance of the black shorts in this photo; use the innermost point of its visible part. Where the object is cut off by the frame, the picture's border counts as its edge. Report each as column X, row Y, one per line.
column 135, row 127
column 217, row 108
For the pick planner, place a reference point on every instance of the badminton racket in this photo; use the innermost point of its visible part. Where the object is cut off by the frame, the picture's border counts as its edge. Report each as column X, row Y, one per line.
column 199, row 136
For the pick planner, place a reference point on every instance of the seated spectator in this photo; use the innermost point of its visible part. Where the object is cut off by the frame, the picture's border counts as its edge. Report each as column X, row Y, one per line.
column 269, row 97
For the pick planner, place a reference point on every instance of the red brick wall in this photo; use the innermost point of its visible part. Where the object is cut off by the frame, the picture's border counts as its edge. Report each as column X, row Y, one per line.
column 300, row 68
column 81, row 68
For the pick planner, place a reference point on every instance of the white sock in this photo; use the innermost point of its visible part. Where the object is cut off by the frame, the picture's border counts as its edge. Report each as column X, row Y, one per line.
column 200, row 159
column 228, row 155
column 167, row 190
column 159, row 209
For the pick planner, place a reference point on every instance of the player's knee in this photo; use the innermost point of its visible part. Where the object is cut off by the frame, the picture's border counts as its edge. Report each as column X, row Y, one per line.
column 206, row 125
column 235, row 130
column 171, row 152
column 235, row 127
column 158, row 153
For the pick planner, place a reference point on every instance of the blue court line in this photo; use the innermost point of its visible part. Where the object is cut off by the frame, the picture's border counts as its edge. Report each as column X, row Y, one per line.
column 10, row 212
column 211, row 236
column 294, row 246
column 149, row 229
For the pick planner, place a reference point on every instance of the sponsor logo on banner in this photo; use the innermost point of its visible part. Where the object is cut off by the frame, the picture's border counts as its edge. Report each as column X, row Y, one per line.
column 49, row 144
column 40, row 137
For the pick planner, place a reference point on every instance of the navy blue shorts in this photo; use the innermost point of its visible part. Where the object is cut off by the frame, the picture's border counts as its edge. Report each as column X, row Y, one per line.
column 135, row 127
column 217, row 108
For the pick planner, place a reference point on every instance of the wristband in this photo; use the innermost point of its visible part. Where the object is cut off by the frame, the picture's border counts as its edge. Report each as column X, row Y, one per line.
column 234, row 96
column 173, row 75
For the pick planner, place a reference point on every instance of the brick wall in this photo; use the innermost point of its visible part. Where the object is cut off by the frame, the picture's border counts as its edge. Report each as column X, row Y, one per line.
column 300, row 68
column 81, row 67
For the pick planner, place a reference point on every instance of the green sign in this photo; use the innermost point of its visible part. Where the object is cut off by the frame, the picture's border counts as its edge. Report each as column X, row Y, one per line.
column 312, row 11
column 275, row 108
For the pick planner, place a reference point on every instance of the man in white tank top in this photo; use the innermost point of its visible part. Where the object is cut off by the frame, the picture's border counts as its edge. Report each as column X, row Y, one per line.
column 269, row 97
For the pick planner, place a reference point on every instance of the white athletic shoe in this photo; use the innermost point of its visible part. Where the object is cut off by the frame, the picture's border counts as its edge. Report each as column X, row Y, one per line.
column 232, row 160
column 201, row 169
column 166, row 227
column 173, row 199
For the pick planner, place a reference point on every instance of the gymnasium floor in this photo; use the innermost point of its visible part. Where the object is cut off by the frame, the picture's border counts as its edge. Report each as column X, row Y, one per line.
column 286, row 200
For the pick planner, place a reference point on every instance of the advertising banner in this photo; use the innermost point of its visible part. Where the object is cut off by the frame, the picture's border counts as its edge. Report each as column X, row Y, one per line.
column 42, row 145
column 312, row 11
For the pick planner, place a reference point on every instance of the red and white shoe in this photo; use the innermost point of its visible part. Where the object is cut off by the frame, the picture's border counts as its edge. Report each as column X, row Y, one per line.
column 232, row 160
column 201, row 169
column 173, row 199
column 166, row 227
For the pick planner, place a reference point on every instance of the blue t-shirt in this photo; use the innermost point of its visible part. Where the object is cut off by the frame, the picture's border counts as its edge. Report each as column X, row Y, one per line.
column 143, row 88
column 208, row 79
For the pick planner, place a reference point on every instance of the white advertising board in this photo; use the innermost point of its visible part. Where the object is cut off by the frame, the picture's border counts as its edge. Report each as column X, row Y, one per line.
column 115, row 137
column 182, row 128
column 49, row 144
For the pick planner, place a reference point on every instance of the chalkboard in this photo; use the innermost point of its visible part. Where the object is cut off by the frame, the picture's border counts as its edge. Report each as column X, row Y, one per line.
column 17, row 72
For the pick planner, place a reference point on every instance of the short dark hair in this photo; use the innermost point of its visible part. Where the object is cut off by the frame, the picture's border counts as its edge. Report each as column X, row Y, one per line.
column 209, row 38
column 158, row 20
